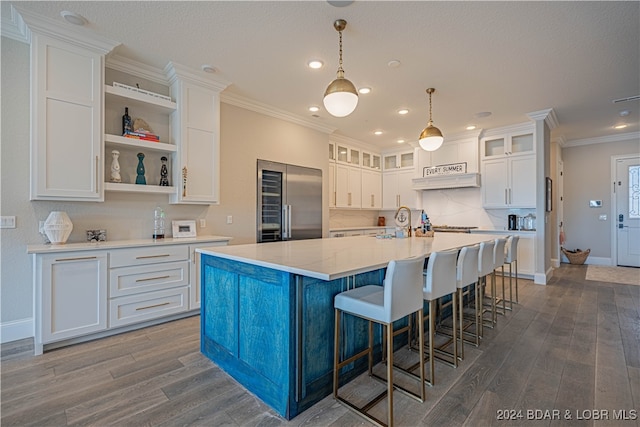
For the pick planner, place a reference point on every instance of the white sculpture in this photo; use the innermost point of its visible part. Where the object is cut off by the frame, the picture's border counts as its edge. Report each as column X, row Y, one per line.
column 57, row 227
column 115, row 167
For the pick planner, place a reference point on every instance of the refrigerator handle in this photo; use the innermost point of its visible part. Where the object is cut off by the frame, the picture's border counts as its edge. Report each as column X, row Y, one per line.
column 286, row 222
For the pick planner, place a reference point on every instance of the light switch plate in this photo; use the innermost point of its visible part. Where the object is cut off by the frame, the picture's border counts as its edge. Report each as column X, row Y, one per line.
column 8, row 222
column 603, row 217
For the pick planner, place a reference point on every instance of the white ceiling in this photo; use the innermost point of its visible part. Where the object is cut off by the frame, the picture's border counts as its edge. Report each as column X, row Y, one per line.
column 509, row 58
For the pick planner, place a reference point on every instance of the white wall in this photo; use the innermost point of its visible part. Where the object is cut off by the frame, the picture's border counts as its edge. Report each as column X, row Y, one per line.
column 587, row 176
column 245, row 137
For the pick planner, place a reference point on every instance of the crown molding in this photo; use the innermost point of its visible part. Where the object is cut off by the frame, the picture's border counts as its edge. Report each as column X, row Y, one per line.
column 267, row 110
column 560, row 140
column 335, row 137
column 14, row 27
column 548, row 115
column 135, row 68
column 81, row 37
column 603, row 139
column 520, row 127
column 176, row 71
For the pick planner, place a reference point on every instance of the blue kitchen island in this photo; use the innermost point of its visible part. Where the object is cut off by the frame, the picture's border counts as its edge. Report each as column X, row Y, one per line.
column 267, row 309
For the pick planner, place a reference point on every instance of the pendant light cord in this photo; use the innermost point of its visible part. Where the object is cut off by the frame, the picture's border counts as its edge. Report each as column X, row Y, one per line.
column 340, row 70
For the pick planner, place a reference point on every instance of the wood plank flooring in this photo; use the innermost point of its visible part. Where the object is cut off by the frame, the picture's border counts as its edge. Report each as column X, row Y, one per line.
column 569, row 349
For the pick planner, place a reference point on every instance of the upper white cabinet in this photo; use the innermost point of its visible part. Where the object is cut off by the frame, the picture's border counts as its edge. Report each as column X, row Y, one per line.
column 196, row 125
column 348, row 155
column 66, row 119
column 397, row 190
column 348, row 186
column 513, row 143
column 509, row 168
column 371, row 161
column 402, row 160
column 371, row 189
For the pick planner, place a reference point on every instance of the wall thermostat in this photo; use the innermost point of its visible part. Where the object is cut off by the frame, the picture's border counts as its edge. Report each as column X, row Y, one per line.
column 595, row 203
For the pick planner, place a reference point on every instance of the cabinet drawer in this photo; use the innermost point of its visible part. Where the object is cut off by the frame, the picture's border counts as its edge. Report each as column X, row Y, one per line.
column 148, row 255
column 145, row 278
column 148, row 306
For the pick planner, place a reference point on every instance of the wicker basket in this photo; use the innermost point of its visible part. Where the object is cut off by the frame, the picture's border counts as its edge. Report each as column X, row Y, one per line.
column 578, row 257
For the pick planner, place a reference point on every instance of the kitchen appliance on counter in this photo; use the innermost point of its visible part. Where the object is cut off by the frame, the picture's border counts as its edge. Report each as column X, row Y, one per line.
column 452, row 228
column 513, row 222
column 289, row 202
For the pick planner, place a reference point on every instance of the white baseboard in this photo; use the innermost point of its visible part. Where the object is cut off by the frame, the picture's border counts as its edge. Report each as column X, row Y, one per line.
column 16, row 330
column 594, row 260
column 555, row 263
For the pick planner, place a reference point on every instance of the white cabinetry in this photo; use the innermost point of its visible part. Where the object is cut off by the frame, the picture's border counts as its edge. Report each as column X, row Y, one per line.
column 66, row 120
column 71, row 295
column 397, row 190
column 348, row 186
column 332, row 185
column 371, row 189
column 401, row 160
column 509, row 170
column 77, row 296
column 196, row 125
column 147, row 283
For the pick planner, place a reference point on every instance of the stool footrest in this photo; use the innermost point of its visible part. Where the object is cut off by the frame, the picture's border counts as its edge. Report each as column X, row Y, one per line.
column 362, row 411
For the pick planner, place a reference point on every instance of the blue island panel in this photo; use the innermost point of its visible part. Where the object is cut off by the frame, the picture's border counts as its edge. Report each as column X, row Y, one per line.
column 273, row 331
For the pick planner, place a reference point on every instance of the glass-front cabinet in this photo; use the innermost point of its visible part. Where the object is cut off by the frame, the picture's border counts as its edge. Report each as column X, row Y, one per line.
column 398, row 160
column 509, row 144
column 370, row 160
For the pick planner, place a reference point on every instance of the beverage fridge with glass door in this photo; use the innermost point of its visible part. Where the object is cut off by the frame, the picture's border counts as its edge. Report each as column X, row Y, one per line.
column 289, row 202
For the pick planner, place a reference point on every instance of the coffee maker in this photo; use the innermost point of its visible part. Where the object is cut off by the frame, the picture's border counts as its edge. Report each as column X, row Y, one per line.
column 513, row 222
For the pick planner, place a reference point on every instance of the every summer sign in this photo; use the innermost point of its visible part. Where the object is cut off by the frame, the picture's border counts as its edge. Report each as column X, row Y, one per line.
column 450, row 169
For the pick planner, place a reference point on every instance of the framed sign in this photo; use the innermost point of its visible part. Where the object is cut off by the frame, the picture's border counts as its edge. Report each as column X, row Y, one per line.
column 183, row 228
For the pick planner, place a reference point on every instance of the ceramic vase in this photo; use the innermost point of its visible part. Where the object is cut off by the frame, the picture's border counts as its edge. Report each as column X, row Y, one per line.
column 58, row 227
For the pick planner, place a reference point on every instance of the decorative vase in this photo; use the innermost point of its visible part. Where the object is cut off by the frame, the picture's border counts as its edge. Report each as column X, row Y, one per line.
column 140, row 179
column 58, row 227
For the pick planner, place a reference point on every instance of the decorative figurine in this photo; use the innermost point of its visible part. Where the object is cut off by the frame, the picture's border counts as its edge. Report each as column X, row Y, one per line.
column 164, row 181
column 115, row 167
column 140, row 179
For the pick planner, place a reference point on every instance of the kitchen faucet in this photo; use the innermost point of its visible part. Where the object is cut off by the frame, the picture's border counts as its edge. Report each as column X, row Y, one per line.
column 409, row 211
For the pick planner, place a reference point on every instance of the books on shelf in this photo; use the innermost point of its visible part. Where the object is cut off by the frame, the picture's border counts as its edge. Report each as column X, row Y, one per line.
column 142, row 135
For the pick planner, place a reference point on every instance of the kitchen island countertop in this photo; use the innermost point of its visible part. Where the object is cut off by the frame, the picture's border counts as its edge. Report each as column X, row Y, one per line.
column 329, row 259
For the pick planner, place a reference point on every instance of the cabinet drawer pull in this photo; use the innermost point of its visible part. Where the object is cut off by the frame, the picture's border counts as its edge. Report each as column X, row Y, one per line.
column 152, row 256
column 152, row 306
column 76, row 259
column 152, row 278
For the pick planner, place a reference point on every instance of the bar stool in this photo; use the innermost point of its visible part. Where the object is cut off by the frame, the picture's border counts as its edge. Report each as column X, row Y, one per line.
column 467, row 275
column 399, row 297
column 439, row 281
column 511, row 258
column 498, row 262
column 485, row 267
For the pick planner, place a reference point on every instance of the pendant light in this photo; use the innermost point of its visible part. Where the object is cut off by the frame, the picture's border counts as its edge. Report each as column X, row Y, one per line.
column 431, row 138
column 340, row 98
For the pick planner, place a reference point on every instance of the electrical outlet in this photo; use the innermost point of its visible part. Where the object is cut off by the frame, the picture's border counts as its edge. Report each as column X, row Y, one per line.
column 229, row 219
column 203, row 223
column 8, row 222
column 602, row 217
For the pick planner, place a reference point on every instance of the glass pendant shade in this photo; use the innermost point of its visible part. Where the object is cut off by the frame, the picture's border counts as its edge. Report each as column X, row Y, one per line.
column 431, row 138
column 340, row 98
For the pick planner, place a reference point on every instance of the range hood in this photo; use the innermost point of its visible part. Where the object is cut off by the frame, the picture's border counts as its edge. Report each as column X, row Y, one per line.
column 440, row 182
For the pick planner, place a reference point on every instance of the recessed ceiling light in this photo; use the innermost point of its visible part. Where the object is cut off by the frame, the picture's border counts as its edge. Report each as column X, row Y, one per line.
column 394, row 63
column 339, row 3
column 621, row 126
column 73, row 18
column 313, row 108
column 403, row 111
column 378, row 132
column 364, row 90
column 315, row 64
column 208, row 68
column 482, row 114
column 471, row 127
column 400, row 141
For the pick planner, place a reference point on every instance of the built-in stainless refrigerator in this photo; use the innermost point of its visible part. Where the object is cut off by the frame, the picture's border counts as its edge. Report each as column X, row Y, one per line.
column 289, row 202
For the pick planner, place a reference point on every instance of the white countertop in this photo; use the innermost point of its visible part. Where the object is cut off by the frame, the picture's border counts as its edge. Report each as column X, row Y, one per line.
column 329, row 259
column 118, row 244
column 381, row 227
column 496, row 231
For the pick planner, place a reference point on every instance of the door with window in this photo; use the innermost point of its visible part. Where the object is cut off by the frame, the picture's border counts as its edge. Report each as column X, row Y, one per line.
column 627, row 187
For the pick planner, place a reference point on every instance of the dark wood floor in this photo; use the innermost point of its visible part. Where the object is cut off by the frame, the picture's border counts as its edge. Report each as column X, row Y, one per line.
column 572, row 347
